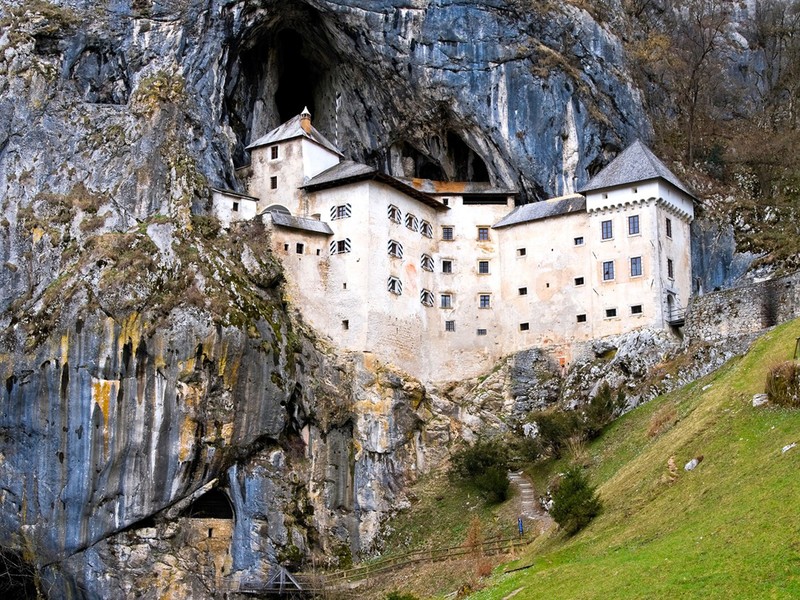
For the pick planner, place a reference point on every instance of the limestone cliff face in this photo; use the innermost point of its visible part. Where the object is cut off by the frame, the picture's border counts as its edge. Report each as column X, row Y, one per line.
column 145, row 356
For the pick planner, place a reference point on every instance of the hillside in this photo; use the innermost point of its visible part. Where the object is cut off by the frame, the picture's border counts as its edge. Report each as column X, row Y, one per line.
column 728, row 528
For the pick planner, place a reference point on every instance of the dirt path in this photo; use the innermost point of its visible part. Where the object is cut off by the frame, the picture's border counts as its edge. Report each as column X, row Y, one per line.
column 529, row 508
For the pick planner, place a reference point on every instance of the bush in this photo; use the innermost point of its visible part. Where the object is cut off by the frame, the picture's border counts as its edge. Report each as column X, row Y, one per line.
column 783, row 384
column 485, row 465
column 602, row 409
column 575, row 502
column 400, row 596
column 555, row 428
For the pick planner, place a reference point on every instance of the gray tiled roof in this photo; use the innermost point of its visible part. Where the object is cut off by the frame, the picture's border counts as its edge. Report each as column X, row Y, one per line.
column 542, row 210
column 290, row 130
column 343, row 170
column 312, row 225
column 636, row 163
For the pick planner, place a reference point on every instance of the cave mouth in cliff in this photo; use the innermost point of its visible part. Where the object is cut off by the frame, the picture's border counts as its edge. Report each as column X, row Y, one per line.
column 298, row 76
column 466, row 162
column 448, row 159
column 214, row 504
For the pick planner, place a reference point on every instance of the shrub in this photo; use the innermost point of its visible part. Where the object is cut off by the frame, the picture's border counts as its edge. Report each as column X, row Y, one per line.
column 783, row 384
column 400, row 596
column 663, row 419
column 555, row 428
column 575, row 502
column 602, row 409
column 485, row 465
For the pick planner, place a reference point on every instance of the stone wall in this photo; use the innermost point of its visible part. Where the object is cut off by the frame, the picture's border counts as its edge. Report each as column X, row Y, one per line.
column 744, row 310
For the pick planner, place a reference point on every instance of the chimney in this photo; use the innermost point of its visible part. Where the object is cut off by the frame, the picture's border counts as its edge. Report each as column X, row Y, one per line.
column 305, row 120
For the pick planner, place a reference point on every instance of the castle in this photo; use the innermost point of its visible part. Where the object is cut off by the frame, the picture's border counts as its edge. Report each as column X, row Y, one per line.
column 443, row 279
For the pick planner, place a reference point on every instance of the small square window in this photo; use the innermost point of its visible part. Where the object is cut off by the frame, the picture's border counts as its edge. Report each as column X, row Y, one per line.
column 235, row 207
column 447, row 233
column 483, row 234
column 607, row 230
column 581, row 318
column 447, row 266
column 669, row 227
column 670, row 269
column 579, row 241
column 523, row 291
column 319, row 251
column 579, row 281
column 446, row 301
column 345, row 324
column 483, row 267
column 273, row 182
column 605, row 196
column 636, row 309
column 449, row 325
column 299, row 248
column 481, row 332
column 636, row 266
column 446, row 201
column 274, row 152
column 633, row 225
column 611, row 312
column 608, row 270
column 484, row 301
column 286, row 247
column 521, row 251
column 524, row 326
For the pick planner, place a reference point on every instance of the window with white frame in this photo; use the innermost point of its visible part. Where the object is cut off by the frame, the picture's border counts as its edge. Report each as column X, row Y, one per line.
column 522, row 251
column 426, row 262
column 636, row 266
column 449, row 325
column 412, row 222
column 611, row 313
column 523, row 291
column 481, row 332
column 524, row 326
column 446, row 300
column 394, row 214
column 581, row 318
column 447, row 266
column 235, row 207
column 426, row 298
column 670, row 269
column 341, row 211
column 483, row 267
column 447, row 233
column 394, row 285
column 608, row 270
column 636, row 309
column 340, row 246
column 483, row 234
column 273, row 182
column 426, row 229
column 579, row 281
column 669, row 227
column 578, row 240
column 633, row 225
column 484, row 301
column 606, row 230
column 273, row 152
column 395, row 249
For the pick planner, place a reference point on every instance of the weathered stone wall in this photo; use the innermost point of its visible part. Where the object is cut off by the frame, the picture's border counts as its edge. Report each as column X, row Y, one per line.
column 744, row 310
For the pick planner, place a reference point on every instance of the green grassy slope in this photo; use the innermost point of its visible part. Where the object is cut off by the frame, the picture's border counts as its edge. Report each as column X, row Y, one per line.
column 728, row 529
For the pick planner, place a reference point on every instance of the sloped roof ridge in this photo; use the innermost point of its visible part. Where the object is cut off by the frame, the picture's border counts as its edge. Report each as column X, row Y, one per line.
column 292, row 129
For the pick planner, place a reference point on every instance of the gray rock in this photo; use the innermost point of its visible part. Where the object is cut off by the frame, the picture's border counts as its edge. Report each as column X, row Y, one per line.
column 760, row 399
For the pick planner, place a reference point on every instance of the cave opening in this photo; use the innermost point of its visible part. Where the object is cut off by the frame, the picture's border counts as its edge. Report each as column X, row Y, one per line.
column 298, row 76
column 450, row 159
column 214, row 504
column 468, row 166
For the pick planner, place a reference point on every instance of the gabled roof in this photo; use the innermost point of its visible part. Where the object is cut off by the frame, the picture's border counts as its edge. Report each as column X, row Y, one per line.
column 636, row 163
column 535, row 211
column 348, row 171
column 434, row 187
column 291, row 130
column 302, row 223
column 234, row 194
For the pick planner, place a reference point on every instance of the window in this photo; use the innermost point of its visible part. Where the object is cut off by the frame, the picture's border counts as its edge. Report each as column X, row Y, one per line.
column 235, row 207
column 522, row 251
column 426, row 262
column 395, row 249
column 273, row 152
column 481, row 332
column 523, row 291
column 449, row 325
column 412, row 222
column 273, row 182
column 611, row 312
column 394, row 285
column 579, row 241
column 299, row 248
column 447, row 266
column 483, row 267
column 581, row 318
column 608, row 270
column 340, row 246
column 483, row 234
column 342, row 211
column 524, row 326
column 607, row 230
column 446, row 301
column 605, row 196
column 669, row 227
column 319, row 251
column 426, row 229
column 345, row 324
column 484, row 301
column 636, row 309
column 394, row 214
column 286, row 248
column 633, row 225
column 635, row 190
column 579, row 281
column 446, row 201
column 447, row 233
column 636, row 266
column 670, row 269
column 426, row 297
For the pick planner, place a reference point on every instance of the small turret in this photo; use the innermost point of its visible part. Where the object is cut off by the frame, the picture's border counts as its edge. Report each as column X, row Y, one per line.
column 305, row 120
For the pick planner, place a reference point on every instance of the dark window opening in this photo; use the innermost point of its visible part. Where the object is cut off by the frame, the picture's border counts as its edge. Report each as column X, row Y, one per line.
column 581, row 318
column 524, row 326
column 299, row 248
column 636, row 309
column 481, row 332
column 235, row 207
column 521, row 251
column 273, row 152
column 346, row 324
column 523, row 291
column 611, row 312
column 449, row 325
column 579, row 281
column 273, row 182
column 579, row 241
column 476, row 199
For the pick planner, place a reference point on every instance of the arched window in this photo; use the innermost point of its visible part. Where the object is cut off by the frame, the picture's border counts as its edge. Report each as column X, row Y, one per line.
column 394, row 285
column 395, row 249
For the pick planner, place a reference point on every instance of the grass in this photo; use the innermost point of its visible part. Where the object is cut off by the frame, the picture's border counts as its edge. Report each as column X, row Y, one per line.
column 730, row 528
